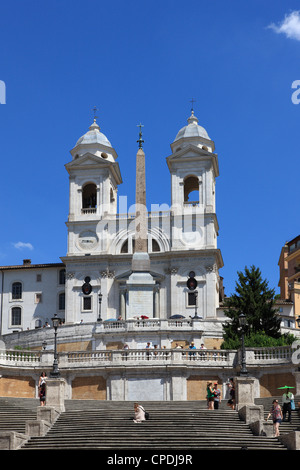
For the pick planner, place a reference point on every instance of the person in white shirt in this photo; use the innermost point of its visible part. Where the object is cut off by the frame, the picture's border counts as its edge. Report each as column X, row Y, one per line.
column 286, row 404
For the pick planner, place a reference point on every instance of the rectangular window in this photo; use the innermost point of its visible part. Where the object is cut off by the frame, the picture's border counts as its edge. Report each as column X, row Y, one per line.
column 17, row 291
column 61, row 301
column 38, row 278
column 16, row 316
column 192, row 299
column 87, row 303
column 62, row 277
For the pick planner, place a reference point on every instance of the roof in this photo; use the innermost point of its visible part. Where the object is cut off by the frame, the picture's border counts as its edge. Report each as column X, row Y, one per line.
column 32, row 266
column 93, row 136
column 192, row 129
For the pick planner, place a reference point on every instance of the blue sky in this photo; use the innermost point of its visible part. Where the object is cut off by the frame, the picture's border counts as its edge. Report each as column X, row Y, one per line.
column 144, row 62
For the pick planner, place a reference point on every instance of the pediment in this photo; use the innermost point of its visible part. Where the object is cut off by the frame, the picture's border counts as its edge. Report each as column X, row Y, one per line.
column 191, row 151
column 91, row 161
column 87, row 159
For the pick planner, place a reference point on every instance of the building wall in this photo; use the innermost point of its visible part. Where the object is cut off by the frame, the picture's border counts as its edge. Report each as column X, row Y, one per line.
column 146, row 385
column 34, row 311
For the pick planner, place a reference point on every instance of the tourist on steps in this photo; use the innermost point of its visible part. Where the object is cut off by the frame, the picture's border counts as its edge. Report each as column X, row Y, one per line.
column 210, row 396
column 231, row 401
column 276, row 414
column 286, row 404
column 139, row 413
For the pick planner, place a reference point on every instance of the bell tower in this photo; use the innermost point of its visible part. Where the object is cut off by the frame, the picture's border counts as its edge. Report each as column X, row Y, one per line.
column 94, row 177
column 193, row 167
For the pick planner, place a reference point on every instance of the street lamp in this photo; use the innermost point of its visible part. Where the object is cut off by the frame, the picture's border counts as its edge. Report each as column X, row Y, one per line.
column 196, row 303
column 55, row 372
column 242, row 323
column 100, row 302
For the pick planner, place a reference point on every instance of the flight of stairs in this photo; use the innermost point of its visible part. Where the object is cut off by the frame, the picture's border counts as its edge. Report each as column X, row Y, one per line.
column 285, row 427
column 173, row 425
column 14, row 412
column 90, row 424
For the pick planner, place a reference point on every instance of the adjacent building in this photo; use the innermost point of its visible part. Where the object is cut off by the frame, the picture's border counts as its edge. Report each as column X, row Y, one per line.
column 289, row 279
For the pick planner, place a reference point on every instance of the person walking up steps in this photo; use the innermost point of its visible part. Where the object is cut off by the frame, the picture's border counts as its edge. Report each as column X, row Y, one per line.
column 276, row 414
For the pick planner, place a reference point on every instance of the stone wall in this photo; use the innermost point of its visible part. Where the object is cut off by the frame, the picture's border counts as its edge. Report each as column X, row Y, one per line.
column 89, row 388
column 17, row 386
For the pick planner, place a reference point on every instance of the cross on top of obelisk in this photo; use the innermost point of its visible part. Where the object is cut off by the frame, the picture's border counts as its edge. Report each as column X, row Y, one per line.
column 140, row 140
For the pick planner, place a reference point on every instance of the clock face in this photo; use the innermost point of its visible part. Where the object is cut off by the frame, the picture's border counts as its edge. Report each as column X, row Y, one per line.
column 87, row 241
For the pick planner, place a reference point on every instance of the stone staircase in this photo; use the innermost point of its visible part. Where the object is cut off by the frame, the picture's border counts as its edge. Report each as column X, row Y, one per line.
column 87, row 425
column 14, row 412
column 285, row 427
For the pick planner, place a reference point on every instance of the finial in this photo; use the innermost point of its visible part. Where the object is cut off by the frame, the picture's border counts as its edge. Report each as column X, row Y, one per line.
column 192, row 101
column 192, row 118
column 94, row 126
column 140, row 141
column 95, row 109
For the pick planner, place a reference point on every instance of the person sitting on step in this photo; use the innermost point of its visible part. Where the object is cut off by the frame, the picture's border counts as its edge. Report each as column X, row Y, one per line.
column 139, row 413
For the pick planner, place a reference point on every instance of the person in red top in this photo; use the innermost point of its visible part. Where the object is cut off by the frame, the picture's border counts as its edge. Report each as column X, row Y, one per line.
column 276, row 414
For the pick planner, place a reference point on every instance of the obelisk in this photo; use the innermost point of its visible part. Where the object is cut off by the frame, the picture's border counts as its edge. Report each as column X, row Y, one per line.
column 140, row 284
column 140, row 260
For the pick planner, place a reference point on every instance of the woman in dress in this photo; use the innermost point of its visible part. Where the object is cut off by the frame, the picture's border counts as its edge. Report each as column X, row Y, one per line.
column 276, row 414
column 139, row 413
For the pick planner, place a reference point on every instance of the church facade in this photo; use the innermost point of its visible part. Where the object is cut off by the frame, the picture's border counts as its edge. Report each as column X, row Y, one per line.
column 130, row 282
column 92, row 281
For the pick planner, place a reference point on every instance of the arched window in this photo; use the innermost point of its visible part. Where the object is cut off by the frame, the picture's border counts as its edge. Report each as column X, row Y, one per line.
column 155, row 245
column 16, row 316
column 112, row 196
column 129, row 245
column 124, row 248
column 17, row 291
column 89, row 196
column 191, row 190
column 38, row 324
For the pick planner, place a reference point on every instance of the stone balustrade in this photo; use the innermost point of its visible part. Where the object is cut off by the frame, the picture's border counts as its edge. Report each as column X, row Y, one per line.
column 213, row 358
column 149, row 324
column 151, row 356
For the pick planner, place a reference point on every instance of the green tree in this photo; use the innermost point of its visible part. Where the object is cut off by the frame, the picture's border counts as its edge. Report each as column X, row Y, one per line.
column 256, row 301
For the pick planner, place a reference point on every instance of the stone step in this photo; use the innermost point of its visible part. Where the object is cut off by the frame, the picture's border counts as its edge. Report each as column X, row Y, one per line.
column 110, row 427
column 90, row 424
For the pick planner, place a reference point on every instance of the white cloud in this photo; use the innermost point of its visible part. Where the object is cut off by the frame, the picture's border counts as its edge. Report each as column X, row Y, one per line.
column 290, row 26
column 21, row 245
